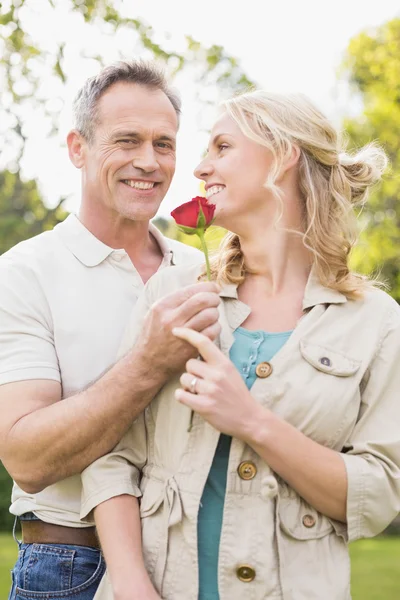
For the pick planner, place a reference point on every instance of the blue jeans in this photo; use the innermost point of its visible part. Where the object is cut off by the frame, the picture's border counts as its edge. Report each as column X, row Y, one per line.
column 54, row 571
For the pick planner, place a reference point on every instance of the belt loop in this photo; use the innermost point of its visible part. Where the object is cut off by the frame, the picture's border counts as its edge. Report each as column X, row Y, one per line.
column 14, row 532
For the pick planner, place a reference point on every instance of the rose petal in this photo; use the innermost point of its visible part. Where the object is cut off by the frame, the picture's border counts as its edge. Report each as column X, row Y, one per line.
column 187, row 214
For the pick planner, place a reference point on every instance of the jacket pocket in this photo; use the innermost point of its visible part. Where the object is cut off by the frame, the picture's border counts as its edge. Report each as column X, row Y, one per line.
column 302, row 522
column 328, row 361
column 313, row 554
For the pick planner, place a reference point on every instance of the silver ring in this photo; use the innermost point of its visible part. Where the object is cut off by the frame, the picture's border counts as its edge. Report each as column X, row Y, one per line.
column 192, row 387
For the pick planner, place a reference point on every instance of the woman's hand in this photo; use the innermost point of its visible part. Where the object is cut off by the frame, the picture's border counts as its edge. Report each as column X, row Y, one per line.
column 137, row 589
column 151, row 594
column 214, row 389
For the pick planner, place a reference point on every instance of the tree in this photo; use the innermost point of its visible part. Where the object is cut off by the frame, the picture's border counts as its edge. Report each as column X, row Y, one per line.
column 35, row 73
column 373, row 65
column 22, row 212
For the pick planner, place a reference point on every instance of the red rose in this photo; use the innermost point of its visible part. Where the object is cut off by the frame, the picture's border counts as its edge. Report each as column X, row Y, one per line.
column 194, row 215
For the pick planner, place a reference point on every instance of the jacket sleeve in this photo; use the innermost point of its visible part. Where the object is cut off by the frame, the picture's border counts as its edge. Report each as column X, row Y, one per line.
column 118, row 472
column 372, row 454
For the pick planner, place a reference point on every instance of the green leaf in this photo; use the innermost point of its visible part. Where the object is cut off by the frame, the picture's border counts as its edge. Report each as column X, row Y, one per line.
column 187, row 230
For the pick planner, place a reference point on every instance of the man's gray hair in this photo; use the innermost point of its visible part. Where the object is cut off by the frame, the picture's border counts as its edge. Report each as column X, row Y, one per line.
column 140, row 72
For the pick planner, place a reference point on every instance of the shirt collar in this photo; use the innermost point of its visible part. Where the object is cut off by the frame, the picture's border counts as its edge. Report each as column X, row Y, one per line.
column 315, row 293
column 90, row 251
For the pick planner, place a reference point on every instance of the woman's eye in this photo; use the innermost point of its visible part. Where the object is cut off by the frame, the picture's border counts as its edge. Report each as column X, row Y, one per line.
column 223, row 146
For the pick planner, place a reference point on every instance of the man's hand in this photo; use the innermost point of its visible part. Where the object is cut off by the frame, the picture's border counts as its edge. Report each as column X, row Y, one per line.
column 194, row 307
column 43, row 440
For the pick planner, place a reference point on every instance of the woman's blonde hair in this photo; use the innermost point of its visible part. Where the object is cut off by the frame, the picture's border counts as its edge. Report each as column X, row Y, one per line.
column 331, row 183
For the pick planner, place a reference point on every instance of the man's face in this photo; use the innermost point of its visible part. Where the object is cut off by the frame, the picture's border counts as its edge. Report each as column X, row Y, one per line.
column 129, row 165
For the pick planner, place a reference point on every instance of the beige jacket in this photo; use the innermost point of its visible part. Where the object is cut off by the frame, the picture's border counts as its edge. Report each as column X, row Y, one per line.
column 337, row 379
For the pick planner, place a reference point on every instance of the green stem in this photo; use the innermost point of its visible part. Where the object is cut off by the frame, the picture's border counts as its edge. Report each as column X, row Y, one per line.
column 205, row 250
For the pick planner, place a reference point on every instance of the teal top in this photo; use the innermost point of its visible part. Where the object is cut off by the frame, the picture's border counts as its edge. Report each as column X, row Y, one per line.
column 249, row 349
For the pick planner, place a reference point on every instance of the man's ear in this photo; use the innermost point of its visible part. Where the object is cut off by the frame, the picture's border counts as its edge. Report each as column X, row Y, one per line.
column 76, row 143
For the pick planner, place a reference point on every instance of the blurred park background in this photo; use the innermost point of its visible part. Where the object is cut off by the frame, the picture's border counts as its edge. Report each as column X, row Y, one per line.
column 345, row 56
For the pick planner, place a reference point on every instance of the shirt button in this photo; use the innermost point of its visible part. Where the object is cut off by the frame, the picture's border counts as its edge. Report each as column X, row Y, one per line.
column 325, row 361
column 263, row 370
column 245, row 573
column 247, row 470
column 308, row 521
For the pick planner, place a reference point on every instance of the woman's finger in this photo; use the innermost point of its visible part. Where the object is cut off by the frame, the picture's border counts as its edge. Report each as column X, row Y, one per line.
column 195, row 385
column 196, row 402
column 206, row 348
column 197, row 367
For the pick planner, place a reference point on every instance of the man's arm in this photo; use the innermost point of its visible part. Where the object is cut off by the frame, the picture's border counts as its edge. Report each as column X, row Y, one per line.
column 44, row 440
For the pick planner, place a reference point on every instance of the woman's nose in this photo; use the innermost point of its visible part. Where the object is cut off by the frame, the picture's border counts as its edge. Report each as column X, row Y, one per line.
column 203, row 169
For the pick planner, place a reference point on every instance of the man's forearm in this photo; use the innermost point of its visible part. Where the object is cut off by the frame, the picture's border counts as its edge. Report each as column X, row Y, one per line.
column 60, row 440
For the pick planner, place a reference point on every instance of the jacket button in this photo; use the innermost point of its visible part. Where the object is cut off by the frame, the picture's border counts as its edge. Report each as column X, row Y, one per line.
column 308, row 521
column 264, row 370
column 247, row 470
column 245, row 573
column 325, row 361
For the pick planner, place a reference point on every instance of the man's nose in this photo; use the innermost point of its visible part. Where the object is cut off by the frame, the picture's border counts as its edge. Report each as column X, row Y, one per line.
column 145, row 159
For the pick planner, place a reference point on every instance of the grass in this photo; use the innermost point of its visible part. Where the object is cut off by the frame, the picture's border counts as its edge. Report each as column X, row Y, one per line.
column 8, row 555
column 375, row 566
column 376, row 569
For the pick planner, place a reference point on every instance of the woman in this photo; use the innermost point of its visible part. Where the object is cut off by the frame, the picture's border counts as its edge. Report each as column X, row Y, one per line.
column 294, row 448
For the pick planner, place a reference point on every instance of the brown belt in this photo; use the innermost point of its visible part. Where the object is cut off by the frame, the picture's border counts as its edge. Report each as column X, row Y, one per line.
column 39, row 532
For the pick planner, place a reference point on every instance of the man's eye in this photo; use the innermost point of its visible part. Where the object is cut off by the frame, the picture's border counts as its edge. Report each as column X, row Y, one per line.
column 126, row 141
column 164, row 145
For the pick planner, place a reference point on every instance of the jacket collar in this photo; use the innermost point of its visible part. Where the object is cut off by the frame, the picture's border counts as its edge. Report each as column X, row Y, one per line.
column 89, row 250
column 315, row 293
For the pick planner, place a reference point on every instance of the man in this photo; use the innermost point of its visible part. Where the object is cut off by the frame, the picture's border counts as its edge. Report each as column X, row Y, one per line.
column 65, row 299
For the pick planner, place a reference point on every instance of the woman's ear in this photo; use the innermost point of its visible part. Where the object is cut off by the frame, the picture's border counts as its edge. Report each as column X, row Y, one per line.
column 292, row 159
column 75, row 143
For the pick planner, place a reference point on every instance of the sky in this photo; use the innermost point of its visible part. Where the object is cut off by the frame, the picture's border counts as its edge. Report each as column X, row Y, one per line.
column 289, row 45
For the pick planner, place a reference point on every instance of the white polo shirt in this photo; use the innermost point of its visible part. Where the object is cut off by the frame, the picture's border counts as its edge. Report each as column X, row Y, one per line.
column 65, row 300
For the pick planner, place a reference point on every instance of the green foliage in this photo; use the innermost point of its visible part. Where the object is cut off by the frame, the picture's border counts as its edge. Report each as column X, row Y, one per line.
column 213, row 236
column 22, row 212
column 6, row 519
column 26, row 62
column 373, row 64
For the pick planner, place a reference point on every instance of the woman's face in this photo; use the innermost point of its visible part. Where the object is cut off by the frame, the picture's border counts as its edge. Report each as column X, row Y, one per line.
column 235, row 170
